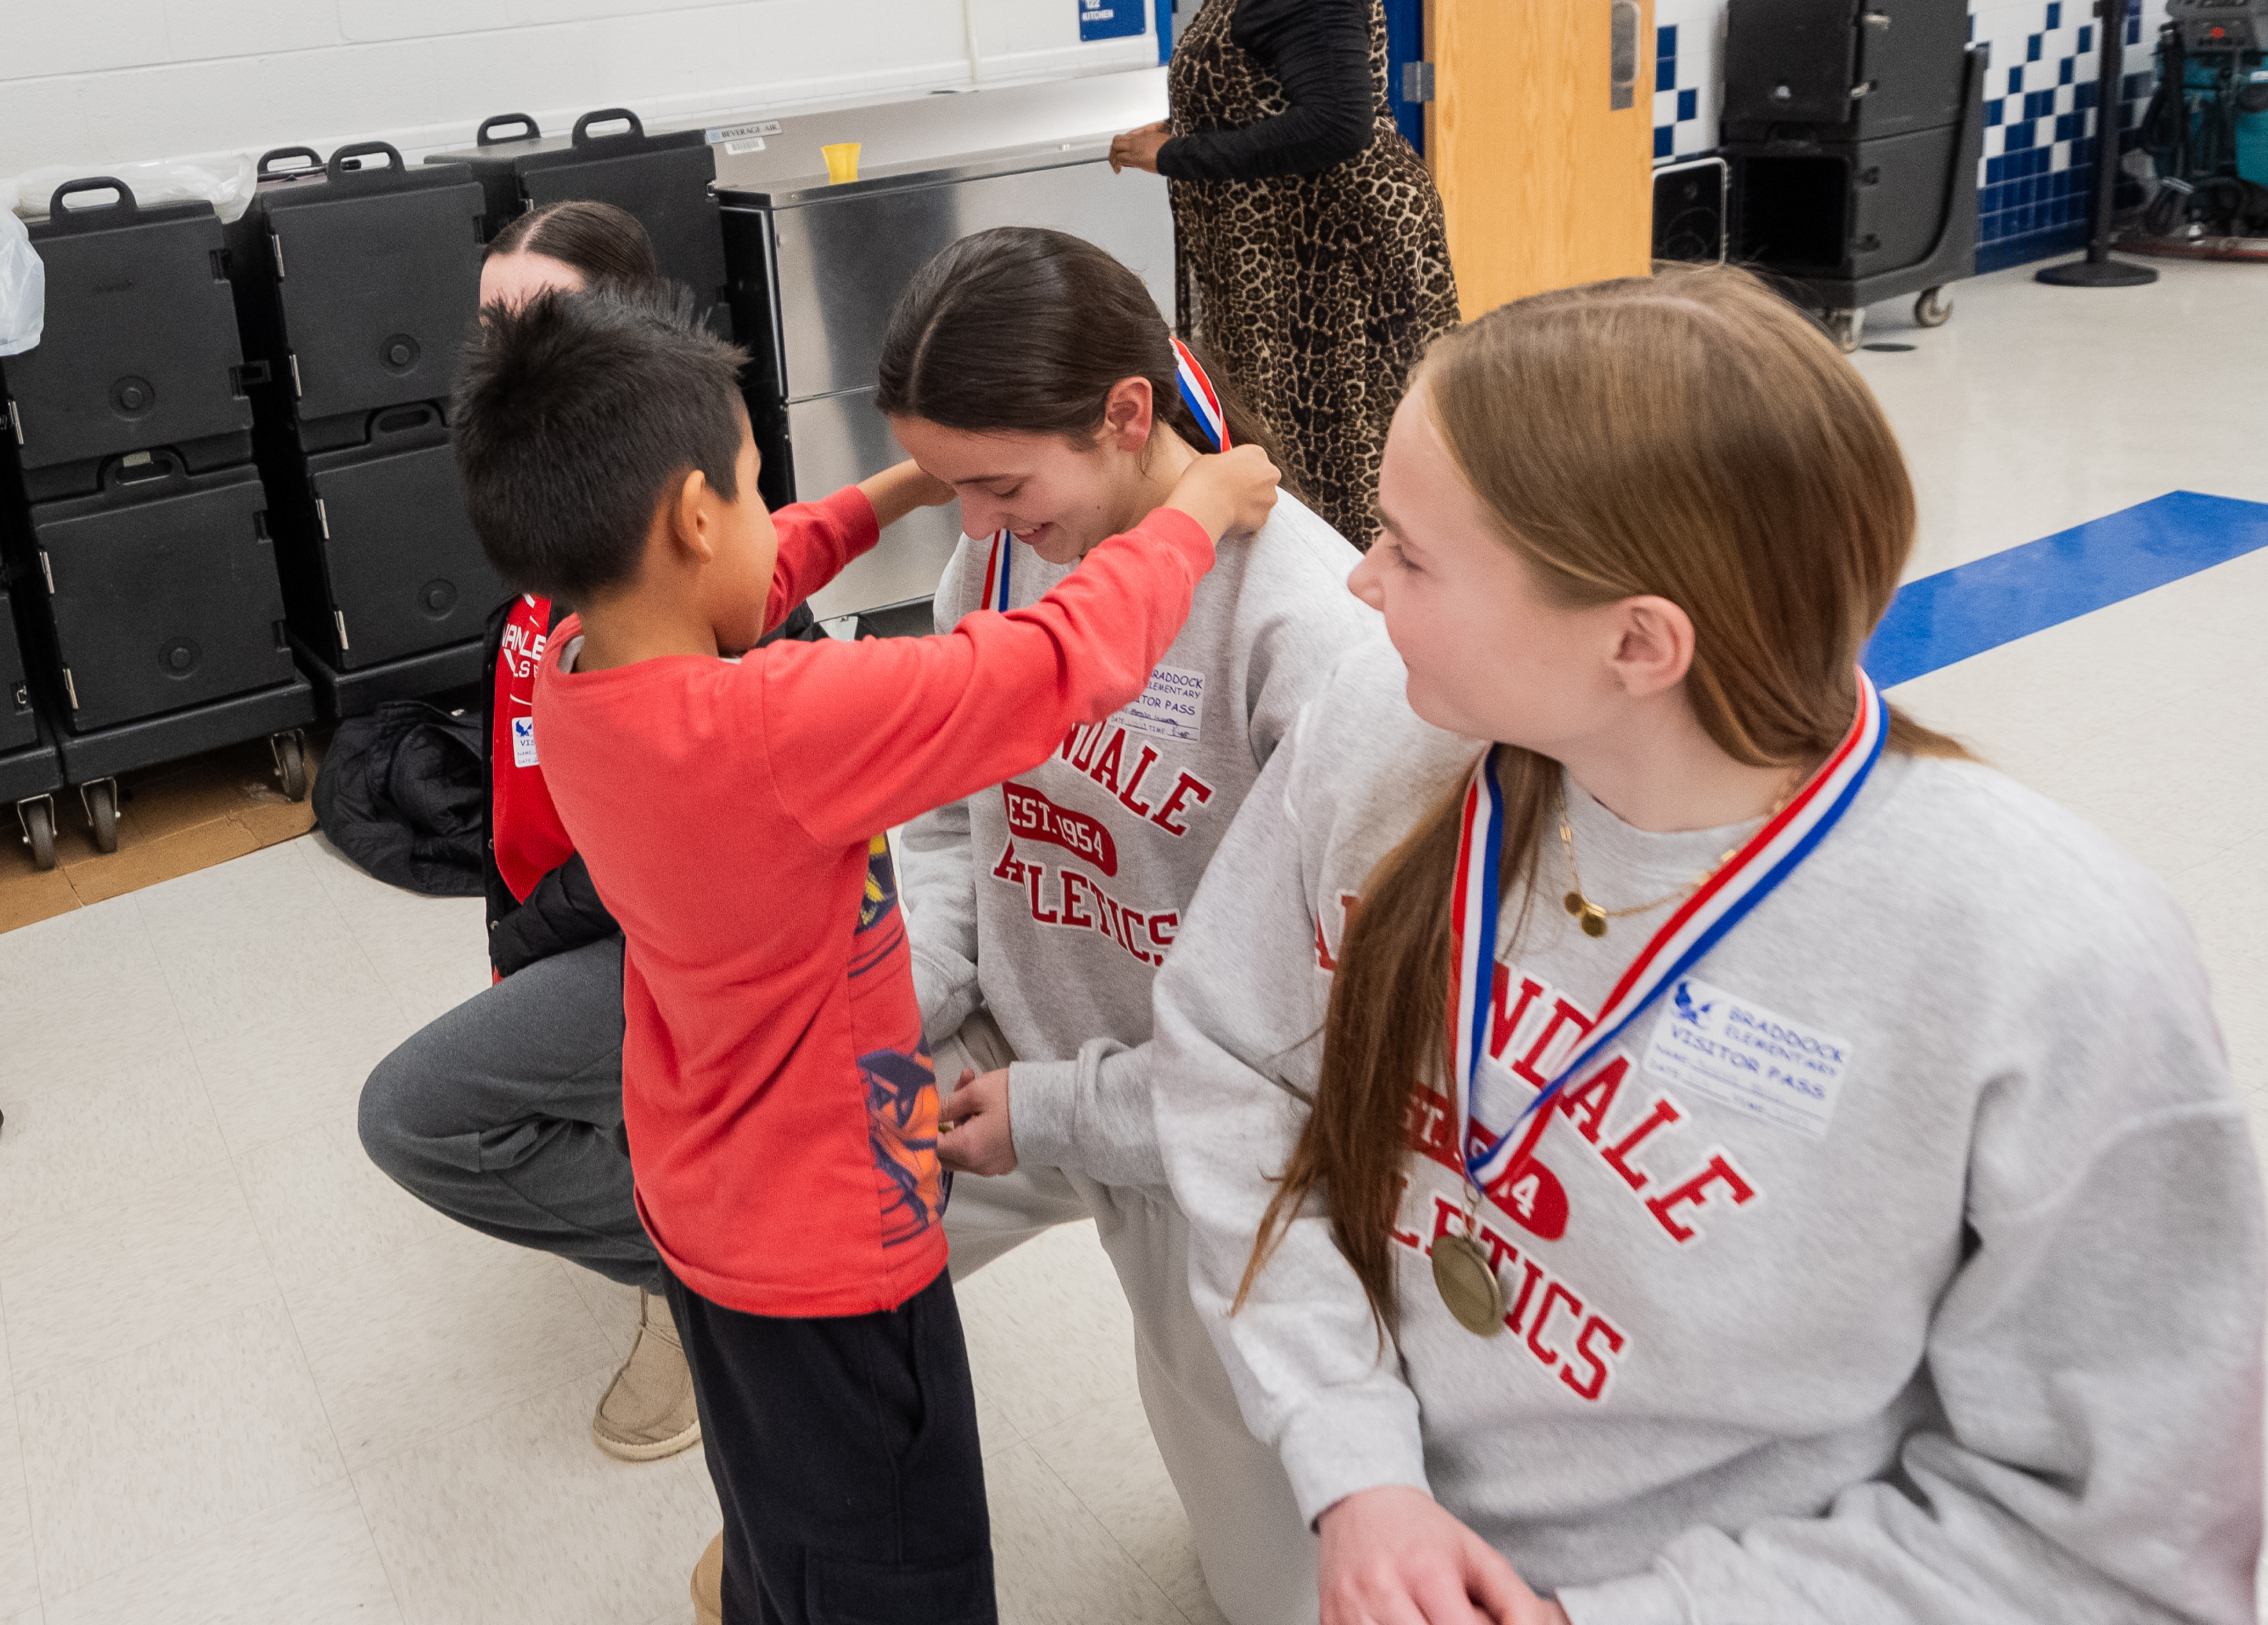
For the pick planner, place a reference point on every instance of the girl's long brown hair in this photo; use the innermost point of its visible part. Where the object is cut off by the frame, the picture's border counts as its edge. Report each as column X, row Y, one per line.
column 1688, row 435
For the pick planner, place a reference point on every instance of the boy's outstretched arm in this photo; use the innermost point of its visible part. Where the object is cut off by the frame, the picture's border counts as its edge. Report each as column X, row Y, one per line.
column 897, row 491
column 862, row 737
column 817, row 539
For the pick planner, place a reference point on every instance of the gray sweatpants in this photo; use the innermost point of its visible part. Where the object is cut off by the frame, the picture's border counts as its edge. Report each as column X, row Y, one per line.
column 506, row 1114
column 1257, row 1552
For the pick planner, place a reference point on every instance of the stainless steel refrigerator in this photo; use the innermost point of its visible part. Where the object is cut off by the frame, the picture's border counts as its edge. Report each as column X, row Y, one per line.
column 814, row 268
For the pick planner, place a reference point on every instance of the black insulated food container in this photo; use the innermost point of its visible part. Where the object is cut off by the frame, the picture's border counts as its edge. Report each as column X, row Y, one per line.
column 133, row 520
column 358, row 279
column 663, row 180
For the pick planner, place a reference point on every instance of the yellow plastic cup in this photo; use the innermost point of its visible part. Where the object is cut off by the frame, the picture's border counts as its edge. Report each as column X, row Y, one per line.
column 841, row 161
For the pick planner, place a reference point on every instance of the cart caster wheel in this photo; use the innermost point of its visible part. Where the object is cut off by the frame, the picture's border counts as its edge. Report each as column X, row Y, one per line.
column 39, row 821
column 1934, row 309
column 1846, row 327
column 291, row 764
column 101, row 798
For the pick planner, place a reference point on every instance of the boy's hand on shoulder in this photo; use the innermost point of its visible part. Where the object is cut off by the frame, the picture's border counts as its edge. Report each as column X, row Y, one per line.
column 1231, row 494
column 897, row 491
column 974, row 1134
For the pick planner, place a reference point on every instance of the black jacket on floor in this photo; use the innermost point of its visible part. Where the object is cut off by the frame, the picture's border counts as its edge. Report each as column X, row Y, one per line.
column 400, row 793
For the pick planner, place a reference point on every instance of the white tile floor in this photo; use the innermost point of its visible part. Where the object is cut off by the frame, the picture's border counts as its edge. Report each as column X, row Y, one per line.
column 243, row 1378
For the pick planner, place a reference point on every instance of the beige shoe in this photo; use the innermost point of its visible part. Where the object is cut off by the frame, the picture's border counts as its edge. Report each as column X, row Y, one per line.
column 709, row 1585
column 647, row 1412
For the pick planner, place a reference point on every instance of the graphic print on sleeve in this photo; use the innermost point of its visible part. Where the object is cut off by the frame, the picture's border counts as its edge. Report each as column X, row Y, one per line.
column 895, row 1065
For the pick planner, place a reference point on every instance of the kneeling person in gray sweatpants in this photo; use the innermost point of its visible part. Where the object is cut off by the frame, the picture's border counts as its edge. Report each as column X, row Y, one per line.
column 506, row 1114
column 1039, row 912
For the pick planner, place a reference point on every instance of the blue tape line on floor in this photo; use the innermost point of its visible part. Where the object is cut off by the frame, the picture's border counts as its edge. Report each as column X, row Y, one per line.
column 1964, row 610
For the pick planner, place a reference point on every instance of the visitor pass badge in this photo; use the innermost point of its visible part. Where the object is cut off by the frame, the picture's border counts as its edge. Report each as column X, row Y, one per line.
column 1739, row 1055
column 523, row 742
column 1171, row 708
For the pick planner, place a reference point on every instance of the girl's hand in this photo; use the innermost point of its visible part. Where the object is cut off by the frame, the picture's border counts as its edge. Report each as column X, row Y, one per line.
column 1137, row 148
column 1231, row 494
column 1392, row 1556
column 974, row 1134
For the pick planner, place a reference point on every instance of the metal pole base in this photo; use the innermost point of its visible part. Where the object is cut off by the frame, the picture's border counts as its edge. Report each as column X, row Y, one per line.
column 2097, row 274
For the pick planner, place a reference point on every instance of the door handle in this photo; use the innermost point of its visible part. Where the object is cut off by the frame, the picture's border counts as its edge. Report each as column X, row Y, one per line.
column 1623, row 57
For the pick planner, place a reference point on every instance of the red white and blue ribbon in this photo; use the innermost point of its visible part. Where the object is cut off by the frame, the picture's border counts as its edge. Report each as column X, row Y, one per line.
column 1698, row 923
column 1198, row 392
column 996, row 573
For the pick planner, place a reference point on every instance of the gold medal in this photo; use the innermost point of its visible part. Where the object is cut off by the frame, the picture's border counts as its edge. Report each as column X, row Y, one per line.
column 1469, row 1285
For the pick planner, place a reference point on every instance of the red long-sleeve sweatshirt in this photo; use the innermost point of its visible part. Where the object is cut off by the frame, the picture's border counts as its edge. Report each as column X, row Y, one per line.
column 778, row 1096
column 530, row 840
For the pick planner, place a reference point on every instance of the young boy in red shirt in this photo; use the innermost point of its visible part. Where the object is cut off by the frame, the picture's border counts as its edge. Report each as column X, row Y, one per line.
column 778, row 1098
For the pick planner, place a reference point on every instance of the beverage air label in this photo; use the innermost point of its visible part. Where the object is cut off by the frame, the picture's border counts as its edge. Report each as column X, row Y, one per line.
column 1171, row 708
column 1742, row 1056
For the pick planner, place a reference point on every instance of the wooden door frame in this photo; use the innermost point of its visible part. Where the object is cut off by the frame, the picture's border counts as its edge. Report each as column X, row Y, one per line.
column 1551, row 187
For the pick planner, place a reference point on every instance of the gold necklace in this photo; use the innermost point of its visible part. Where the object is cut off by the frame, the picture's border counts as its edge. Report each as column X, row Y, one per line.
column 1594, row 918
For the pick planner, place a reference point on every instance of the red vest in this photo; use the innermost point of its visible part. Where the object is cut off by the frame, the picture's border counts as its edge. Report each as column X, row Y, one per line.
column 530, row 840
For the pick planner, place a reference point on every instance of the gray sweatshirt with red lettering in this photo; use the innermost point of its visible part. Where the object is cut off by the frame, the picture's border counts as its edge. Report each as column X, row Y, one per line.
column 1053, row 898
column 1902, row 1264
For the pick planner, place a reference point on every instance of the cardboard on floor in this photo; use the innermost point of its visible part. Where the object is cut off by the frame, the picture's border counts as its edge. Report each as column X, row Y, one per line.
column 172, row 819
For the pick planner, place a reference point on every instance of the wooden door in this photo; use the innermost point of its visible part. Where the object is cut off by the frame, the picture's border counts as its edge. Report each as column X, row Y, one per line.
column 1546, row 182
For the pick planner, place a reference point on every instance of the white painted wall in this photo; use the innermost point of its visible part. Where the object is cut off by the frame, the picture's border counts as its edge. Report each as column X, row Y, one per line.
column 89, row 83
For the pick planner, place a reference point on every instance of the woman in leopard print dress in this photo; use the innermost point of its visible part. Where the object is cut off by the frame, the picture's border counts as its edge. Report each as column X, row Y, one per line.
column 1313, row 261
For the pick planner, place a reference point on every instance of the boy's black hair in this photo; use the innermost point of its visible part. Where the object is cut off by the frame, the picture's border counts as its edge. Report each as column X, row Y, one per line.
column 575, row 415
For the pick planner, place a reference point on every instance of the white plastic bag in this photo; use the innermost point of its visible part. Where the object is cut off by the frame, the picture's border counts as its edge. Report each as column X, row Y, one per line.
column 23, row 289
column 222, row 179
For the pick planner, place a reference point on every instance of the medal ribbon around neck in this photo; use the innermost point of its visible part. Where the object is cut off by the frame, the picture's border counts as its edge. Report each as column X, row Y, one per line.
column 1196, row 391
column 1197, row 394
column 1768, row 858
column 996, row 573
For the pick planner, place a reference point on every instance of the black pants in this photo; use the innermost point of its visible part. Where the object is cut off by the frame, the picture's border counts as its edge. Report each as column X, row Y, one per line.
column 844, row 1454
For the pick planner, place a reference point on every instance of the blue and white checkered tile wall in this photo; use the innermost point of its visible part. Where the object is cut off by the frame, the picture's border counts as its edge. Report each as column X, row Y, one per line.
column 2038, row 172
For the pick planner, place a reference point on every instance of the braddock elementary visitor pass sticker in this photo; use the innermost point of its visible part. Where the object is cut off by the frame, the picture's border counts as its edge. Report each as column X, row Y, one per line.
column 1171, row 708
column 1742, row 1056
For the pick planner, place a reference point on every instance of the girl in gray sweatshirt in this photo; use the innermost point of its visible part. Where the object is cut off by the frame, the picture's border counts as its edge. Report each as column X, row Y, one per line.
column 1892, row 1253
column 1033, row 371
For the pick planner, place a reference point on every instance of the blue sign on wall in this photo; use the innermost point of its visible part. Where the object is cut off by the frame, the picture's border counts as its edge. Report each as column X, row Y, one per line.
column 1405, row 43
column 1109, row 20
